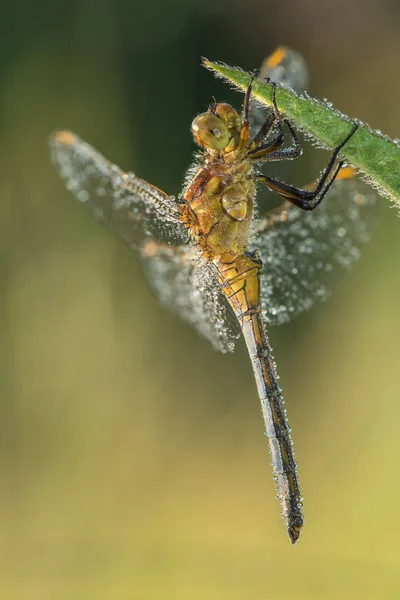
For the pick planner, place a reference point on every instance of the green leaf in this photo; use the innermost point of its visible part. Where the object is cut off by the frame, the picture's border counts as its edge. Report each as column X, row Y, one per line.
column 377, row 156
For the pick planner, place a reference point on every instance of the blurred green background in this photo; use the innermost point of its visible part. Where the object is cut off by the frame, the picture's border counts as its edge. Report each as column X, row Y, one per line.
column 133, row 462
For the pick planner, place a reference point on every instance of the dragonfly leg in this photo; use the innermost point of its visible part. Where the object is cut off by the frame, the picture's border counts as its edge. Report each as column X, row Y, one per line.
column 308, row 199
column 294, row 150
column 272, row 150
column 264, row 131
column 245, row 129
column 269, row 148
column 270, row 120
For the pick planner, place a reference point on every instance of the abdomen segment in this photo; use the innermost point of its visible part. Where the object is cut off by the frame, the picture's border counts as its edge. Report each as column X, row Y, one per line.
column 240, row 284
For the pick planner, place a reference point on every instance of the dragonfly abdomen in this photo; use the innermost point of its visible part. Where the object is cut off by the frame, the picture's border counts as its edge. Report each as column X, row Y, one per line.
column 240, row 283
column 276, row 426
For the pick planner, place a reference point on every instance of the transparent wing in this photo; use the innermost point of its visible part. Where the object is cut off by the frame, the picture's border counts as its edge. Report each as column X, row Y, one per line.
column 305, row 253
column 187, row 284
column 128, row 206
column 286, row 68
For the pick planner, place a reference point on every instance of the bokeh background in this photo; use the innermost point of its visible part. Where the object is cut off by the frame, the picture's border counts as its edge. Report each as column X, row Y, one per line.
column 132, row 456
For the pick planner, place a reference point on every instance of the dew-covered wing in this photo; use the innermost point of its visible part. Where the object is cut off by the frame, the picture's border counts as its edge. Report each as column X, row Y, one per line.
column 286, row 68
column 128, row 206
column 188, row 285
column 305, row 253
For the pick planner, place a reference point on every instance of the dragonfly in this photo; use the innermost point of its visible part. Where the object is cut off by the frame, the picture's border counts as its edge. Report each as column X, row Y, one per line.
column 213, row 257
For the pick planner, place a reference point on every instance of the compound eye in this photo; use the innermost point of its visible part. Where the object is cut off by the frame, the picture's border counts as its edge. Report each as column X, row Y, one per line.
column 209, row 131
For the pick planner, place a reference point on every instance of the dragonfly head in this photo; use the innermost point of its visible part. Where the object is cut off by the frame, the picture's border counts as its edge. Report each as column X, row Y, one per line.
column 218, row 128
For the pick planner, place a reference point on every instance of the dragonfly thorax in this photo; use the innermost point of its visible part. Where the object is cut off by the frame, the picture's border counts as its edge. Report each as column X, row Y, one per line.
column 217, row 207
column 217, row 204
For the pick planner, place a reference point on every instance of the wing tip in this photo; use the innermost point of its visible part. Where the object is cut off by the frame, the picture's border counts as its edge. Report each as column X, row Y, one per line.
column 62, row 137
column 274, row 60
column 346, row 172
